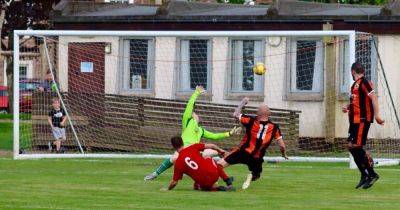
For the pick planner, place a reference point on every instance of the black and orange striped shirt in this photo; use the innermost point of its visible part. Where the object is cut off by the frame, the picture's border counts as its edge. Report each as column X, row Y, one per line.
column 259, row 135
column 361, row 109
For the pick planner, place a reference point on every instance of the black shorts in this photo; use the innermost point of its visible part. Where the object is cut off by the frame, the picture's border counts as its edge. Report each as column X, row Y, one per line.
column 358, row 133
column 240, row 156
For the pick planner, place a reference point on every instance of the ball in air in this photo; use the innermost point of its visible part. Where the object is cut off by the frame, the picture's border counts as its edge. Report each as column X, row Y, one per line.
column 259, row 69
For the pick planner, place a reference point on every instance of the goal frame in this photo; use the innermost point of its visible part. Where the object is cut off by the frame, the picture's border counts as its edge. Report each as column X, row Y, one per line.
column 350, row 34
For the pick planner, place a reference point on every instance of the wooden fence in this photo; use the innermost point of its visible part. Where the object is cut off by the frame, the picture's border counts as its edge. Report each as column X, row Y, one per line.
column 110, row 123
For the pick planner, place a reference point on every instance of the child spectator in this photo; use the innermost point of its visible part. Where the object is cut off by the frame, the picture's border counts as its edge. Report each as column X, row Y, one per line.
column 57, row 119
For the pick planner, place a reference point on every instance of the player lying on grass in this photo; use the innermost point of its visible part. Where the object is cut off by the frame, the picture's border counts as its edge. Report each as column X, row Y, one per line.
column 203, row 170
column 362, row 108
column 260, row 132
column 192, row 132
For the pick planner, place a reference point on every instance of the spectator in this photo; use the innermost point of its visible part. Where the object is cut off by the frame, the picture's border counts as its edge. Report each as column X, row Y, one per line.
column 48, row 84
column 57, row 118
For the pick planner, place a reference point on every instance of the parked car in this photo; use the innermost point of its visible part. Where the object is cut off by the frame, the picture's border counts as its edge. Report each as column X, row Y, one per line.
column 3, row 99
column 26, row 88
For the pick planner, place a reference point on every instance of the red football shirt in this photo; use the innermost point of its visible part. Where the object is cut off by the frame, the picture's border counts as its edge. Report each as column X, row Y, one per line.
column 190, row 162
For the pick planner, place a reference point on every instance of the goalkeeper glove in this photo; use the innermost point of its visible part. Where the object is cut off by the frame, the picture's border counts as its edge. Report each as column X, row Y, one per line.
column 200, row 89
column 235, row 131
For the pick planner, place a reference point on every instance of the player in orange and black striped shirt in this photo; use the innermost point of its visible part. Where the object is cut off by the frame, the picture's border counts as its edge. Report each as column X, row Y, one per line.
column 362, row 108
column 260, row 132
column 259, row 135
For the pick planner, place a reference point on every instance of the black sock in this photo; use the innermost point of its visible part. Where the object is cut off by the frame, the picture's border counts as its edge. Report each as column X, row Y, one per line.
column 371, row 172
column 255, row 176
column 359, row 159
column 228, row 181
column 369, row 164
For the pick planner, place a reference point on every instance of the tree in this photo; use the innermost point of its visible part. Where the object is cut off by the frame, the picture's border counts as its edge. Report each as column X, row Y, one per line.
column 25, row 14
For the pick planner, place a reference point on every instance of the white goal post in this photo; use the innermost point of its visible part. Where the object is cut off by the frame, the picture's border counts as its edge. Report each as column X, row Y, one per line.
column 350, row 36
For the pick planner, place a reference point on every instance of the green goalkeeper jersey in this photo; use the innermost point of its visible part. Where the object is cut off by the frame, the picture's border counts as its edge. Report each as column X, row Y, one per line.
column 191, row 131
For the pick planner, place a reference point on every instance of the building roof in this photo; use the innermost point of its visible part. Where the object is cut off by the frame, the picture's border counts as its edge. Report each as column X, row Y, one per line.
column 189, row 9
column 301, row 8
column 175, row 10
column 68, row 15
column 128, row 10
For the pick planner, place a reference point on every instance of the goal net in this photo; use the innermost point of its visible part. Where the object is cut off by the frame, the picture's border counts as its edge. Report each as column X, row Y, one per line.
column 123, row 93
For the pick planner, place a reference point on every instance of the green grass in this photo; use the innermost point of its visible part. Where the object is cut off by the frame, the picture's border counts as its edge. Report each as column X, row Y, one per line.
column 6, row 116
column 22, row 116
column 118, row 184
column 6, row 135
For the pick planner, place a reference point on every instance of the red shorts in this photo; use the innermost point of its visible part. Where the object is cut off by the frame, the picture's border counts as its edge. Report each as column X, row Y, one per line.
column 210, row 178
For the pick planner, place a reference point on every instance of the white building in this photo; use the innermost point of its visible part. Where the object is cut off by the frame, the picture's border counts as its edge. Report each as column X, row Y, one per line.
column 305, row 74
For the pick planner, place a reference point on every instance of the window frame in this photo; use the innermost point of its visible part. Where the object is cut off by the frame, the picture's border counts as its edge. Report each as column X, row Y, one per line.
column 185, row 94
column 238, row 95
column 28, row 64
column 344, row 86
column 291, row 57
column 124, row 72
column 26, row 71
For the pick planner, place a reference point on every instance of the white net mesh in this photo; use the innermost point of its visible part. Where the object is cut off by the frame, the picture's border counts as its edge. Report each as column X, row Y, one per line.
column 127, row 94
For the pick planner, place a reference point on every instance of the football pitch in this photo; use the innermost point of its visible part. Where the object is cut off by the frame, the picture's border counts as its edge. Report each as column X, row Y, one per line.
column 118, row 184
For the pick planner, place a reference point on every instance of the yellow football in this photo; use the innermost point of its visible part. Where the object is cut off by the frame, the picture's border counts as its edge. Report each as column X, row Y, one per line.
column 259, row 69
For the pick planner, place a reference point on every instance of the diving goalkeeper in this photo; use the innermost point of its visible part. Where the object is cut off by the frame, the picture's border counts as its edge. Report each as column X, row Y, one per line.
column 192, row 132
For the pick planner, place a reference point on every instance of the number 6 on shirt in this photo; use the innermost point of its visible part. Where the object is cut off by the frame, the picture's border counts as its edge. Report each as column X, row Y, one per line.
column 191, row 163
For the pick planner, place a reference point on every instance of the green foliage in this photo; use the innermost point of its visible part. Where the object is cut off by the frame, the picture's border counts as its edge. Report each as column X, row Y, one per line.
column 26, row 14
column 118, row 184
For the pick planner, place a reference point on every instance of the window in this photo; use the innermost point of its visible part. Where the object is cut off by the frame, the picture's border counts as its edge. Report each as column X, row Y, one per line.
column 244, row 54
column 365, row 54
column 23, row 71
column 26, row 69
column 138, row 64
column 195, row 65
column 306, row 66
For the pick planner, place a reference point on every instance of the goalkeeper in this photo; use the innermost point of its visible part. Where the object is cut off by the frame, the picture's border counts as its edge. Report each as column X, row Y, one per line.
column 192, row 132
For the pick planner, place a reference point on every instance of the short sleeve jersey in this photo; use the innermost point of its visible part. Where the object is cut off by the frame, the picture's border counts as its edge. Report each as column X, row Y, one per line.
column 361, row 109
column 193, row 164
column 258, row 136
column 57, row 115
